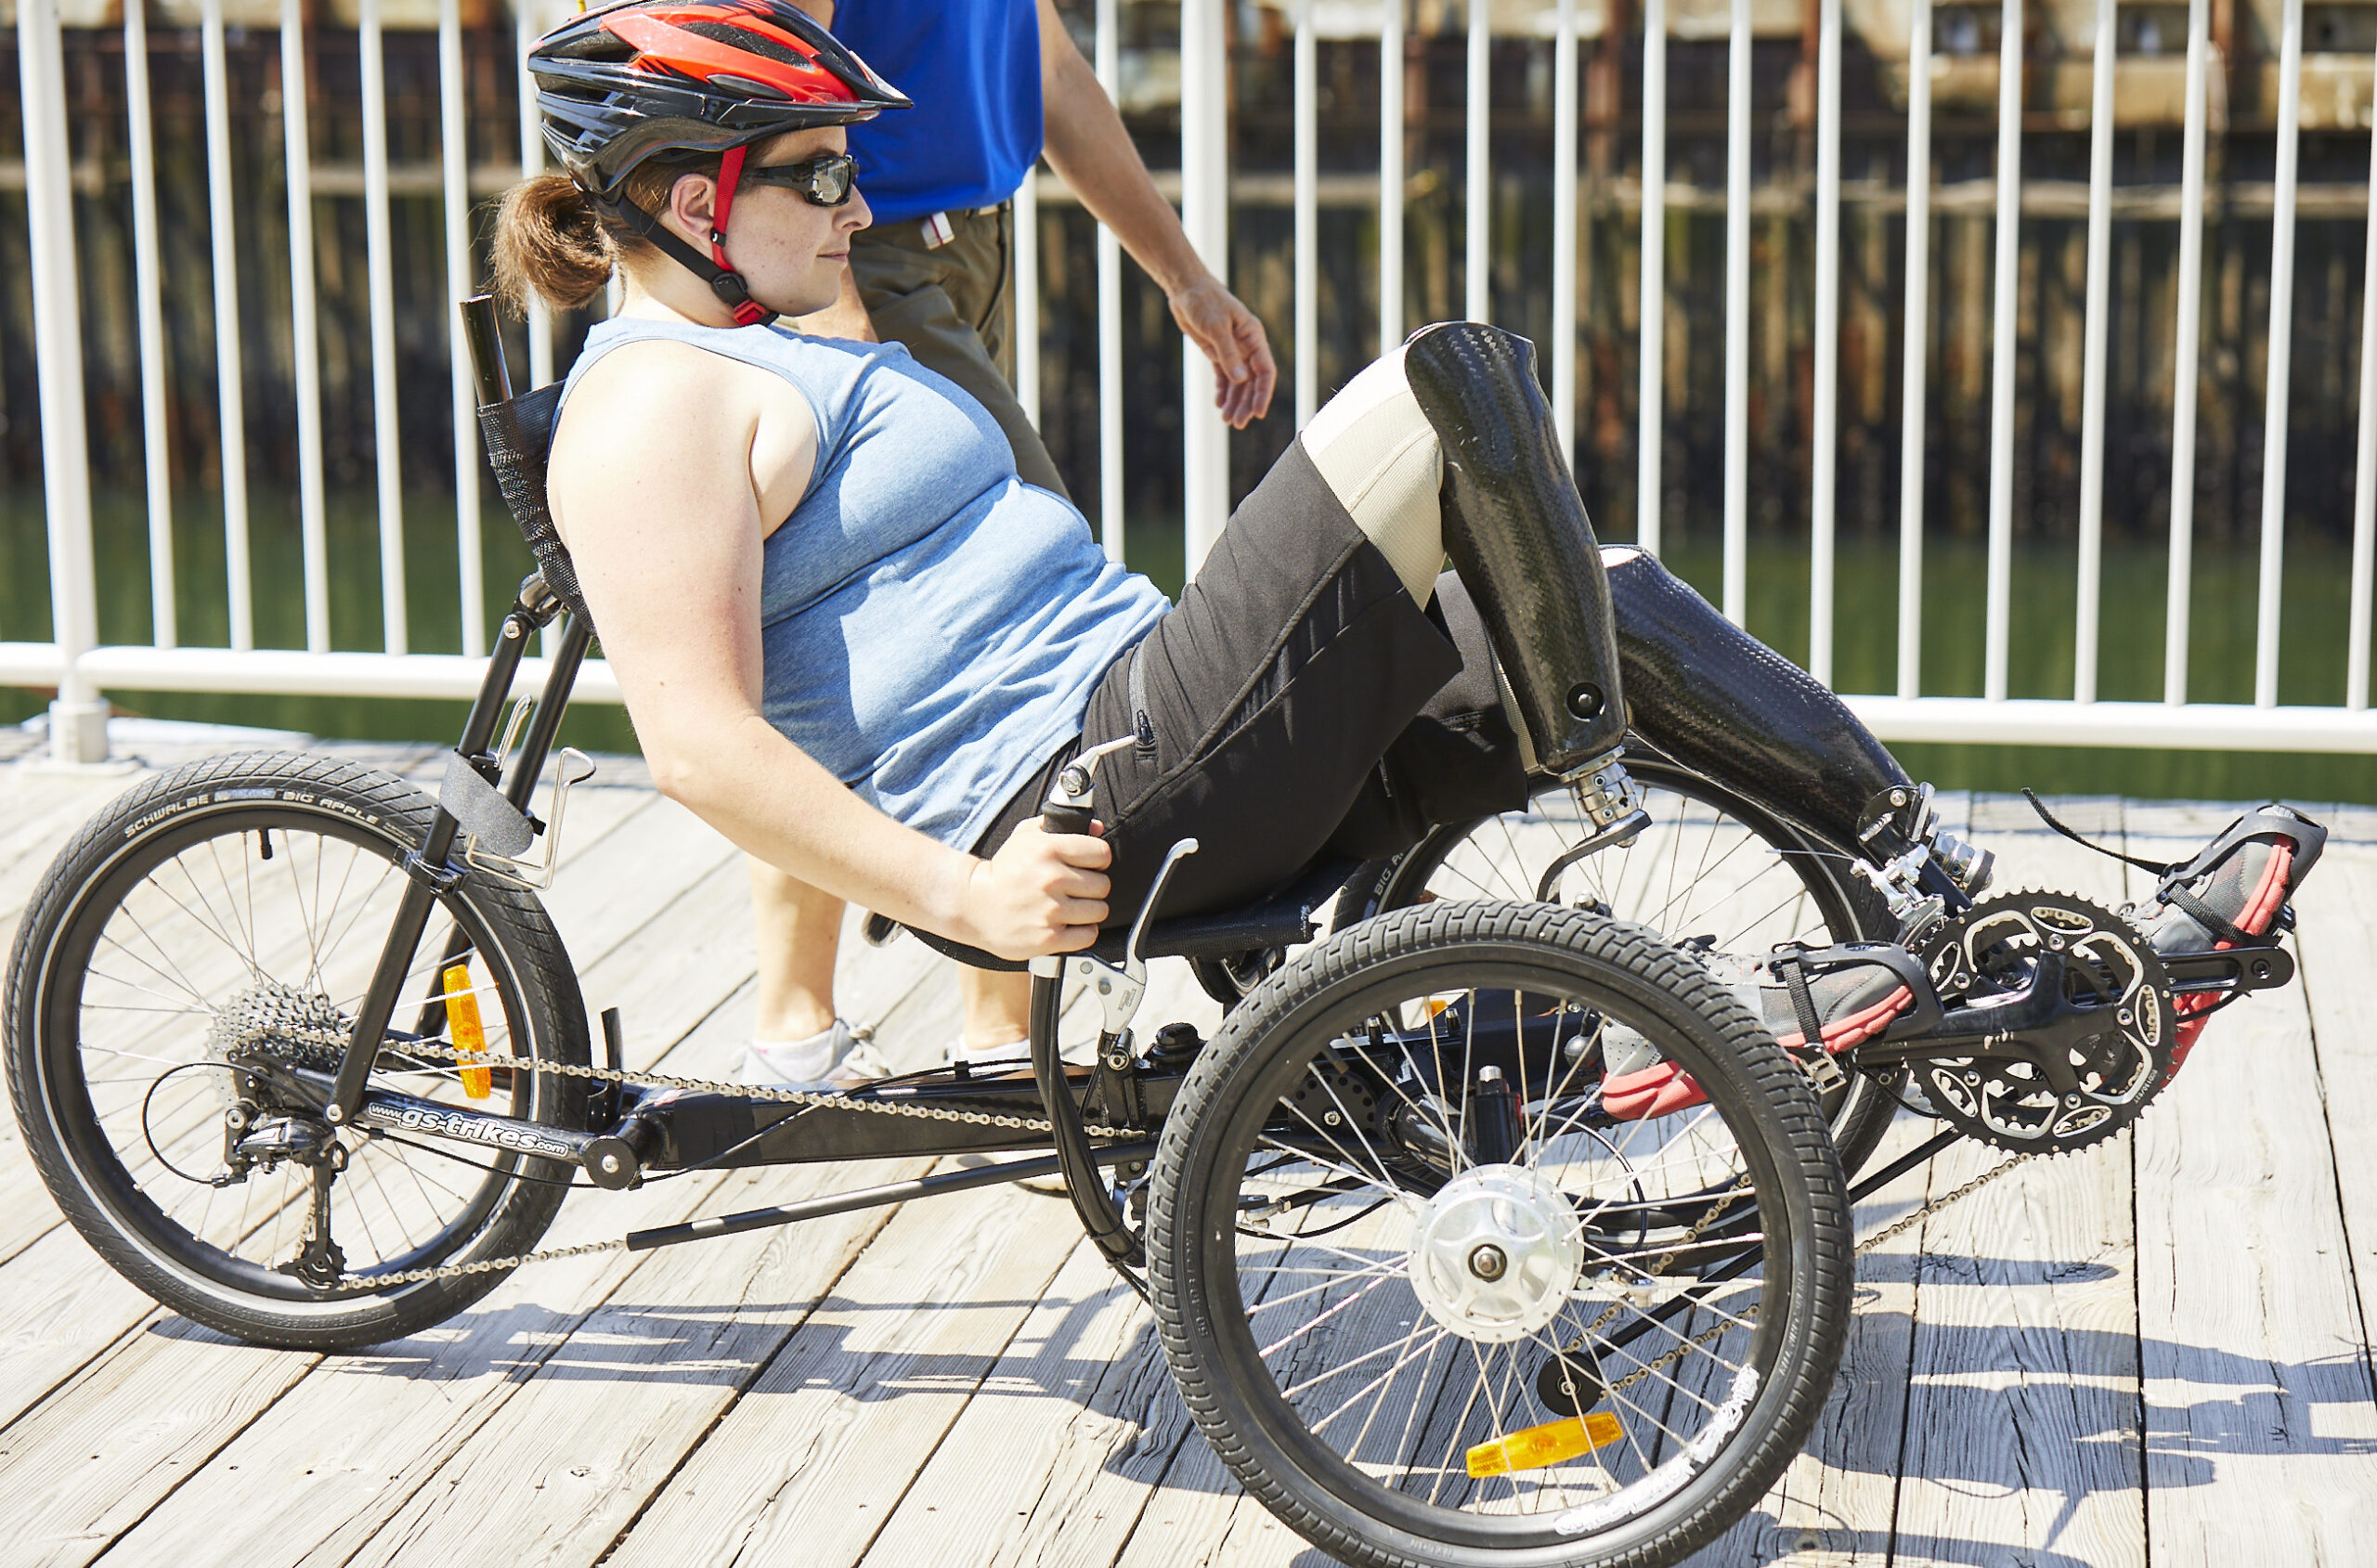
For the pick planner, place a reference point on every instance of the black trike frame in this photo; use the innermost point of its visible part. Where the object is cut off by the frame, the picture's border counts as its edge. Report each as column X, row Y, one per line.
column 1127, row 1094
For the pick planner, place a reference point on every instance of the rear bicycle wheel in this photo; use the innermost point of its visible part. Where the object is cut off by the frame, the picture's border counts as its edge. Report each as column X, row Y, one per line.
column 1368, row 1250
column 1713, row 871
column 233, row 912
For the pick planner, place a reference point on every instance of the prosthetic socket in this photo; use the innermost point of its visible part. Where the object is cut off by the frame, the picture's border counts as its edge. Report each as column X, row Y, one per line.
column 1518, row 535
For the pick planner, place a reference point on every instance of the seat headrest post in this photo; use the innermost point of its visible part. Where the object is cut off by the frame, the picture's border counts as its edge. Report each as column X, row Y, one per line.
column 484, row 335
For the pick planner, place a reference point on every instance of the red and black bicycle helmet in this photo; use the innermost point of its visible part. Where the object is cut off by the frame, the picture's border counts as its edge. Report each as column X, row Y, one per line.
column 617, row 86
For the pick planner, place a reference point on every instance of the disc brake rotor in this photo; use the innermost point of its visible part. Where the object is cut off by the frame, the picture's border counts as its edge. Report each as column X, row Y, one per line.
column 2088, row 1012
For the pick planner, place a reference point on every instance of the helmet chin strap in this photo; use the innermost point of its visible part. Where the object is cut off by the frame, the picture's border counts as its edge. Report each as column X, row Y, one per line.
column 713, row 269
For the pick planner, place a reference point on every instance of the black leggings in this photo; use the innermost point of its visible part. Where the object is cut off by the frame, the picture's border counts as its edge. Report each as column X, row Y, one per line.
column 1295, row 703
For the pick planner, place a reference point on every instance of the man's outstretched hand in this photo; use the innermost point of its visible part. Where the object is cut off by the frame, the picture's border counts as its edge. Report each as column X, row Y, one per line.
column 1229, row 335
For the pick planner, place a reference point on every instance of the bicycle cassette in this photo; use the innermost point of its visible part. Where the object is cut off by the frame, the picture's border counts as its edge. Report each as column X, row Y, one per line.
column 2083, row 1032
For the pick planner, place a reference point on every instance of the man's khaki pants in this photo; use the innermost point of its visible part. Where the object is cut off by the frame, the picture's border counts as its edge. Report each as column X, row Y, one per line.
column 953, row 306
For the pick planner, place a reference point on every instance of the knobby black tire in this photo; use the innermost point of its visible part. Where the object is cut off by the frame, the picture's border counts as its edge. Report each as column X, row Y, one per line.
column 1861, row 1109
column 335, row 801
column 1801, row 1198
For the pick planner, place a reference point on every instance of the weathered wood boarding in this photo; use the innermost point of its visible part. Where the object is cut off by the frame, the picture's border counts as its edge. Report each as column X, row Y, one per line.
column 2155, row 1353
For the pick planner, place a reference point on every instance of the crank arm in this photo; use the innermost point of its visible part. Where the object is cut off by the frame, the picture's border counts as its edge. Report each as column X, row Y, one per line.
column 2225, row 970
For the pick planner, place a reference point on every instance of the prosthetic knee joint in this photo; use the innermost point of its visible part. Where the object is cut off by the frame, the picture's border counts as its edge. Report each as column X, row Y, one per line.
column 1518, row 535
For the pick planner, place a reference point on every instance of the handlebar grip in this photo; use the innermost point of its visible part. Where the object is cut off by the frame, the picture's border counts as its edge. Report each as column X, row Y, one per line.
column 1055, row 818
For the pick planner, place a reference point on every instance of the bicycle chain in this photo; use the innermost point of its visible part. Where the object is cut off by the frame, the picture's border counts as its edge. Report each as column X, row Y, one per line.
column 1898, row 1227
column 818, row 1098
column 1034, row 1125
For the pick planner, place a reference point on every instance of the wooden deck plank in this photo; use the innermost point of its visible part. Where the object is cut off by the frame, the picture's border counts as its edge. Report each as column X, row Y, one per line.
column 683, row 990
column 2336, row 942
column 2259, row 1418
column 1078, row 1420
column 570, row 1459
column 185, row 1410
column 85, row 1467
column 63, row 1308
column 1834, row 1503
column 602, row 1421
column 1172, row 993
column 1055, row 1457
column 2258, row 1389
column 2022, row 1436
column 314, row 1477
column 816, row 1454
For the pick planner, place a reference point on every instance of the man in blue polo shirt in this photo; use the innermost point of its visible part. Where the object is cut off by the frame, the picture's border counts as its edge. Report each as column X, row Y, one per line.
column 996, row 84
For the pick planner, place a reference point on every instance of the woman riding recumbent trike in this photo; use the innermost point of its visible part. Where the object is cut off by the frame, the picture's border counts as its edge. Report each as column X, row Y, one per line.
column 1487, row 1230
column 1484, row 1230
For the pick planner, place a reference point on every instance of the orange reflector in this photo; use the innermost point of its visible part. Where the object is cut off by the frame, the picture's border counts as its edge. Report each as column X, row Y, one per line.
column 1546, row 1445
column 463, row 1027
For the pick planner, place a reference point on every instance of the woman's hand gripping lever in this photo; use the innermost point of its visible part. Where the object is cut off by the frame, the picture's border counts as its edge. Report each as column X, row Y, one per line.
column 1069, row 808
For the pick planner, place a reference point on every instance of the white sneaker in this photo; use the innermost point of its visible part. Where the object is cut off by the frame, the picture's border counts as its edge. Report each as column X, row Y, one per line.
column 832, row 1059
column 1010, row 1055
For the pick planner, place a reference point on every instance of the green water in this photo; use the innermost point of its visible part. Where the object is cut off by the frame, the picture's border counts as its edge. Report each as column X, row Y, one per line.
column 2314, row 601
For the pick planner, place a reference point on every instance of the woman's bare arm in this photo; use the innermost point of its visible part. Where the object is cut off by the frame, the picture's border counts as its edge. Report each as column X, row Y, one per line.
column 664, row 519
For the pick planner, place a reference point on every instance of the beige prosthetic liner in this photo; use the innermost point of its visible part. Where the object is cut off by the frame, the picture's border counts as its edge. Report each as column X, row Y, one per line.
column 1380, row 457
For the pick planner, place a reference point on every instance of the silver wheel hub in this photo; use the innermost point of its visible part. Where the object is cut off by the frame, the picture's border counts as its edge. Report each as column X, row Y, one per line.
column 1496, row 1252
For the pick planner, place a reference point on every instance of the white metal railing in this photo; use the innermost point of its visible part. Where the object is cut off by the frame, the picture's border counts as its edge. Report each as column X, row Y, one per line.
column 82, row 669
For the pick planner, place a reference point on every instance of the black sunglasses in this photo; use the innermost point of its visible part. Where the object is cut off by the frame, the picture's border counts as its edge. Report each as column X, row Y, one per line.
column 823, row 181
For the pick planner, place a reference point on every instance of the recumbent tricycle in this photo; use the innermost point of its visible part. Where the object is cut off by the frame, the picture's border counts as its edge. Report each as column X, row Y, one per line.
column 1508, row 1224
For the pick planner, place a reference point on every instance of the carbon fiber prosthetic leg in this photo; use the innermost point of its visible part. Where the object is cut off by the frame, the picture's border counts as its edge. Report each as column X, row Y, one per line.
column 1717, row 700
column 1518, row 535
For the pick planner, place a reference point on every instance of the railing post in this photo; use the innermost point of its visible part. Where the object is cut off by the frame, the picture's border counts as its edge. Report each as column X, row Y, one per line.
column 1308, row 219
column 1390, row 176
column 453, row 138
column 1824, row 460
column 1110, row 531
column 1997, row 637
column 1915, row 336
column 1205, row 214
column 1650, row 401
column 1737, row 242
column 78, row 720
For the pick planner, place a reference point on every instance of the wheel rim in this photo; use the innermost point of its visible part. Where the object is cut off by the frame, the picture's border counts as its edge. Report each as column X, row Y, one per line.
column 1702, row 869
column 1708, row 873
column 185, row 943
column 1382, row 1373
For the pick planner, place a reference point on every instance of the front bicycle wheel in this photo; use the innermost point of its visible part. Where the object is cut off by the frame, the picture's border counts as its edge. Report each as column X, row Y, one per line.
column 1430, row 1308
column 1713, row 871
column 226, row 917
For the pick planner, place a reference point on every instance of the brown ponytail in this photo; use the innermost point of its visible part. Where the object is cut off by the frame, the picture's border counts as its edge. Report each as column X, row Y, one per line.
column 550, row 242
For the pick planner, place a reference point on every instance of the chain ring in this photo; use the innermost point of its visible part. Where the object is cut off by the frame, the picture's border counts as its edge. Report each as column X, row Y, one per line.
column 2121, row 1066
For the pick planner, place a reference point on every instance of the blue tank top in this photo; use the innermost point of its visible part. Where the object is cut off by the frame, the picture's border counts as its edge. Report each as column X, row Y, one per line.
column 972, row 69
column 933, row 626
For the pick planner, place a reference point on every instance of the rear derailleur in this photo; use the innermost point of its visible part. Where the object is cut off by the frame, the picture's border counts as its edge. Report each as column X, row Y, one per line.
column 255, row 1139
